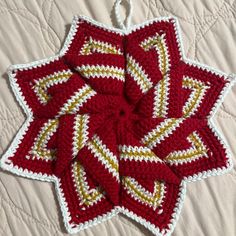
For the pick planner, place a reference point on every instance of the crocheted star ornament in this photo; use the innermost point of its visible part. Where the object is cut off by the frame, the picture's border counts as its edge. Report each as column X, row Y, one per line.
column 119, row 121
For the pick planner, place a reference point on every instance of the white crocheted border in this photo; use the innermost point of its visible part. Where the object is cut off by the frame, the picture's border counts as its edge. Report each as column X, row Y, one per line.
column 6, row 164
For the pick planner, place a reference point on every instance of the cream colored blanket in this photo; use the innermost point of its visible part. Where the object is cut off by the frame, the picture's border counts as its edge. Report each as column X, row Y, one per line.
column 31, row 30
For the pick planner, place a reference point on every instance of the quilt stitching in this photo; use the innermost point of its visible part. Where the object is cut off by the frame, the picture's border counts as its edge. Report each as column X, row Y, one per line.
column 101, row 147
column 217, row 114
column 12, row 205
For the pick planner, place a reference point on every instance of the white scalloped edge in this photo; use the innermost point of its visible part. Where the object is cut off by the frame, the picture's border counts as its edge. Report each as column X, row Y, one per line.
column 66, row 214
column 123, row 31
column 175, row 215
column 43, row 177
column 12, row 70
column 136, row 27
column 231, row 80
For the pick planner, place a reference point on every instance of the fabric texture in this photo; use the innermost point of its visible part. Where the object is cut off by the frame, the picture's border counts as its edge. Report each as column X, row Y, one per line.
column 71, row 60
column 119, row 120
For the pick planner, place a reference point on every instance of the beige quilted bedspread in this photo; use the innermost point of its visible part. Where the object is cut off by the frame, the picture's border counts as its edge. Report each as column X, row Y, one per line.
column 31, row 30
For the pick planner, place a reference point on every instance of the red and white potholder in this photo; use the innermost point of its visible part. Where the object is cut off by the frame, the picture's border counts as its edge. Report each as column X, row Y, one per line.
column 119, row 120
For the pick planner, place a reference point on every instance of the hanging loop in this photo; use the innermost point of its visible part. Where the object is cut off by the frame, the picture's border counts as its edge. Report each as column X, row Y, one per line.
column 117, row 14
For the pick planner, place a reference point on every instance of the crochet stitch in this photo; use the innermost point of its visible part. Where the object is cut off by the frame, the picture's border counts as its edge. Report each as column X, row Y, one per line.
column 119, row 120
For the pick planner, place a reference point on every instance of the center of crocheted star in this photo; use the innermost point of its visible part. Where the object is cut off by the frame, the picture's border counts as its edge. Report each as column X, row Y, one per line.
column 124, row 110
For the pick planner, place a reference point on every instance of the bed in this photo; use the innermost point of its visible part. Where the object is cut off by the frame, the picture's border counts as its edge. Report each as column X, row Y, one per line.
column 32, row 30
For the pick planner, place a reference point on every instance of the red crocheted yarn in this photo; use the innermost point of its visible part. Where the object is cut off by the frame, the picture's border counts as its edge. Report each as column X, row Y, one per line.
column 120, row 121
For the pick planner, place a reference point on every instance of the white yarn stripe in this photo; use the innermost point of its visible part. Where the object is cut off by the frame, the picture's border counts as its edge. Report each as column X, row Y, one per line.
column 93, row 46
column 102, row 71
column 135, row 153
column 77, row 100
column 139, row 193
column 80, row 134
column 39, row 149
column 138, row 74
column 159, row 43
column 161, row 97
column 88, row 196
column 41, row 86
column 194, row 101
column 104, row 155
column 163, row 130
column 197, row 150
